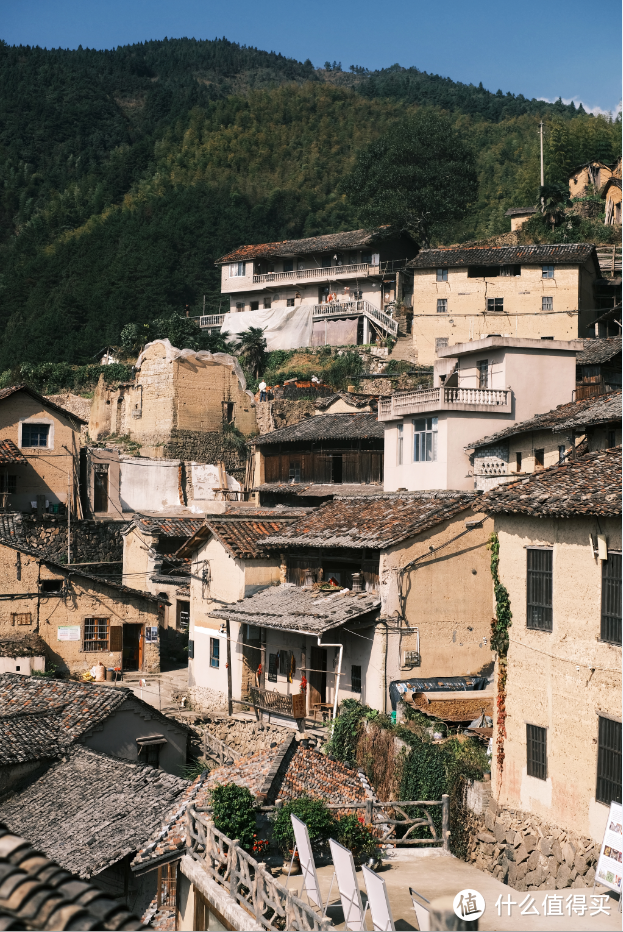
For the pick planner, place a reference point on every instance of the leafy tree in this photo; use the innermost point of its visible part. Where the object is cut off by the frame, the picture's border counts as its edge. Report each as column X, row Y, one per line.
column 182, row 332
column 252, row 349
column 313, row 812
column 420, row 176
column 554, row 199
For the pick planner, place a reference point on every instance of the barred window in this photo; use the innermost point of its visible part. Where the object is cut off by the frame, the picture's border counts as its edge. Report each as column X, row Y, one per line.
column 539, row 590
column 611, row 598
column 608, row 762
column 547, row 304
column 536, row 751
column 96, row 634
column 22, row 618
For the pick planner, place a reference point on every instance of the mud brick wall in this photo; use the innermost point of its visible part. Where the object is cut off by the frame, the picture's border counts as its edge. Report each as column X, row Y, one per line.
column 194, row 446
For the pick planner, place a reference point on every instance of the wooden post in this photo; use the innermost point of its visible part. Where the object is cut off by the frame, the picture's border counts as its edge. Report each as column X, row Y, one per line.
column 442, row 916
column 445, row 821
column 369, row 811
column 230, row 707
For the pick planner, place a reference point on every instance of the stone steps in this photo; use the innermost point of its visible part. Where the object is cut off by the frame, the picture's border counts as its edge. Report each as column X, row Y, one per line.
column 404, row 348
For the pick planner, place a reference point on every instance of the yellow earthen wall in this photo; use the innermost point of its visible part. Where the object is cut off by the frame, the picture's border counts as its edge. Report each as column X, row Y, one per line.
column 562, row 679
column 201, row 389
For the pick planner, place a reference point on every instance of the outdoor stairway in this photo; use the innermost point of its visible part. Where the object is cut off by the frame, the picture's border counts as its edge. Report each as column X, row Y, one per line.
column 404, row 348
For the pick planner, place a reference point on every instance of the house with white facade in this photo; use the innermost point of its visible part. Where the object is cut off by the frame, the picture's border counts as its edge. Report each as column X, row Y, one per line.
column 480, row 387
column 338, row 289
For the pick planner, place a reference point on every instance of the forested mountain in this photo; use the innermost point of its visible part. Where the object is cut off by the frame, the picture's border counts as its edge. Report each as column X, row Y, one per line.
column 124, row 174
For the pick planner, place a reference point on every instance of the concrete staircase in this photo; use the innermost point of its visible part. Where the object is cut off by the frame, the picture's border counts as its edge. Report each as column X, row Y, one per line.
column 405, row 348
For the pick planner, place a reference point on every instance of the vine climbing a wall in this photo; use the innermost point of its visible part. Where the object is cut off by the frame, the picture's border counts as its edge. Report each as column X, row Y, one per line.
column 499, row 642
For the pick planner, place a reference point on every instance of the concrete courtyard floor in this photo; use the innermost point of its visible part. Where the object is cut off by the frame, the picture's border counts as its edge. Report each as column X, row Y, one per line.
column 434, row 875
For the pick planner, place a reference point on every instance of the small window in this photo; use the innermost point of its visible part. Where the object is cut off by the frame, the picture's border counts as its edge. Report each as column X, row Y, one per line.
column 425, row 440
column 51, row 585
column 228, row 412
column 400, row 445
column 517, row 462
column 608, row 762
column 539, row 459
column 21, row 618
column 290, row 302
column 366, row 258
column 215, row 652
column 9, row 483
column 150, row 754
column 240, row 306
column 96, row 634
column 294, row 472
column 326, row 262
column 254, row 305
column 562, row 453
column 35, row 435
column 285, row 662
column 547, row 304
column 539, row 590
column 442, row 275
column 267, row 304
column 355, row 678
column 536, row 751
column 495, row 304
column 611, row 598
column 483, row 373
column 237, row 270
column 442, row 305
column 288, row 265
column 440, row 343
column 548, row 271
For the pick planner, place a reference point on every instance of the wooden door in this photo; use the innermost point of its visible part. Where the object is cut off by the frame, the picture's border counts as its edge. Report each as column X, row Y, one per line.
column 317, row 676
column 100, row 488
column 141, row 647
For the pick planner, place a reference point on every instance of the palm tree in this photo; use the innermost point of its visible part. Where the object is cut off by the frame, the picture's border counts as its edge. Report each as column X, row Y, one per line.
column 252, row 347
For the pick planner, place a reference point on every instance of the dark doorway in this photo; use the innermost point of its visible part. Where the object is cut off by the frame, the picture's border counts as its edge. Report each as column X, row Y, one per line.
column 132, row 647
column 183, row 615
column 336, row 467
column 318, row 676
column 100, row 487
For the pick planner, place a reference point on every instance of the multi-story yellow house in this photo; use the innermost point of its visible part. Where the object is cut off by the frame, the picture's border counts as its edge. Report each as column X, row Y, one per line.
column 537, row 292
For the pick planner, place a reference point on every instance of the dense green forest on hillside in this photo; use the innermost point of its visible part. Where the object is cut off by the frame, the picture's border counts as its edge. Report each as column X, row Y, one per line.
column 124, row 174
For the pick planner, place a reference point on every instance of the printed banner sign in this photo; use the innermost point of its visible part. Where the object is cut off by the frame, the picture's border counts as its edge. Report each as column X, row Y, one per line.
column 68, row 632
column 609, row 866
column 151, row 634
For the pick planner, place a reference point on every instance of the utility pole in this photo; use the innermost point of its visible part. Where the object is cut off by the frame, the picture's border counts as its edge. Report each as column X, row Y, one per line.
column 68, row 518
column 541, row 128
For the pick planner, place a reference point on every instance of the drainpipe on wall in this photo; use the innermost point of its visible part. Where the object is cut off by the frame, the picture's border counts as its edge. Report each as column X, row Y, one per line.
column 339, row 671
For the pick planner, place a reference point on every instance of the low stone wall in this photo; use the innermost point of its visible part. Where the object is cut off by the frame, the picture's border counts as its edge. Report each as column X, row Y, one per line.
column 528, row 854
column 91, row 541
column 282, row 412
column 246, row 737
column 194, row 446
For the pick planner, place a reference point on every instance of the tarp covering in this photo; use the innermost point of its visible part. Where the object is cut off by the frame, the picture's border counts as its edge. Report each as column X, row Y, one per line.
column 284, row 328
column 435, row 684
column 335, row 332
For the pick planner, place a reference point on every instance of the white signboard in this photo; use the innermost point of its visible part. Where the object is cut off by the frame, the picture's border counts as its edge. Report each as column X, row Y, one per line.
column 610, row 866
column 68, row 632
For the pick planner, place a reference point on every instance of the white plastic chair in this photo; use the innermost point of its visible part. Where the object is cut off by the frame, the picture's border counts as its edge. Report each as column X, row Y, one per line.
column 378, row 901
column 422, row 914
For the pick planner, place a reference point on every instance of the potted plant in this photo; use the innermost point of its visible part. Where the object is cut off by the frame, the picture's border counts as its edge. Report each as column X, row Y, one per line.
column 354, row 834
column 314, row 813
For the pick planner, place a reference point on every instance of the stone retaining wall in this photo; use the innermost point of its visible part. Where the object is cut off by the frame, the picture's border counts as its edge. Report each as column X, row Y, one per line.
column 528, row 854
column 91, row 541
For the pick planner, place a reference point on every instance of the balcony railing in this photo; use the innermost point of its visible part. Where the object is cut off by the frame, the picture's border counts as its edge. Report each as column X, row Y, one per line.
column 211, row 320
column 329, row 272
column 445, row 399
column 348, row 308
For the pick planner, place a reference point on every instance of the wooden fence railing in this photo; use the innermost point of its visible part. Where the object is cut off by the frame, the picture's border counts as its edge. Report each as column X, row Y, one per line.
column 219, row 751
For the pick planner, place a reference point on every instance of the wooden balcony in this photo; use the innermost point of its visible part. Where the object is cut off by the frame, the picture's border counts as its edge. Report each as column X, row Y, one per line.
column 486, row 400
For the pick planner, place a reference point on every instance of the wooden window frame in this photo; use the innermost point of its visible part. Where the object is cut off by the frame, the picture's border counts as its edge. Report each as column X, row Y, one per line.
column 539, row 459
column 442, row 305
column 101, row 645
column 536, row 751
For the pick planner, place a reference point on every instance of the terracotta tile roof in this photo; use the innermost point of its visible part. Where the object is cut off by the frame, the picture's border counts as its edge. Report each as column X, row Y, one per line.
column 9, row 453
column 283, row 772
column 298, row 247
column 373, row 522
column 12, row 389
column 590, row 485
column 363, row 426
column 600, row 409
column 294, row 608
column 91, row 810
column 459, row 256
column 36, row 893
column 241, row 534
column 166, row 526
column 598, row 351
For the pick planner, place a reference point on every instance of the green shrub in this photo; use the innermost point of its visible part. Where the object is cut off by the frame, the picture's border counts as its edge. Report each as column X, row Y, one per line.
column 234, row 813
column 353, row 834
column 313, row 812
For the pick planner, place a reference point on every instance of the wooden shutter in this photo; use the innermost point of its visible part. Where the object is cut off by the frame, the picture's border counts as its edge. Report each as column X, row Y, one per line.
column 116, row 638
column 271, row 468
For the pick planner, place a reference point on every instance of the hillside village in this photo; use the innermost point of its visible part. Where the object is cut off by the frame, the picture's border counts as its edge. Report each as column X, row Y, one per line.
column 357, row 564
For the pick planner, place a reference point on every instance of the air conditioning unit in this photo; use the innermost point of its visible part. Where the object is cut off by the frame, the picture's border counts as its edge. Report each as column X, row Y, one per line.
column 411, row 658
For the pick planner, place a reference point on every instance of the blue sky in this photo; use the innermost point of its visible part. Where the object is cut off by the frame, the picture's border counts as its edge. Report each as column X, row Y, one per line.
column 545, row 49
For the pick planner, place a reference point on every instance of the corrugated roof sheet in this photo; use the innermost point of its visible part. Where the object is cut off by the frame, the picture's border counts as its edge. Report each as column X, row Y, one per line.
column 590, row 485
column 598, row 351
column 564, row 254
column 360, row 426
column 599, row 409
column 91, row 810
column 306, row 609
column 374, row 522
column 299, row 247
column 36, row 893
column 10, row 453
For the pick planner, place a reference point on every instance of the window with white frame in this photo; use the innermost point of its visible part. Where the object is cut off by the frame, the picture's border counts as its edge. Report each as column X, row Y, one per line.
column 424, row 439
column 442, row 305
column 237, row 269
column 547, row 304
column 400, row 444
